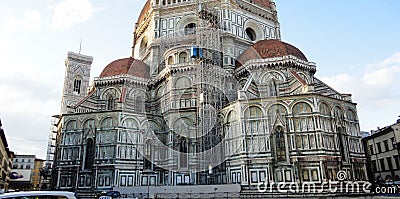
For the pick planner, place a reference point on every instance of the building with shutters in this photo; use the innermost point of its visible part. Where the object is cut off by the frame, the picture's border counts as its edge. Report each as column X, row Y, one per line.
column 6, row 158
column 25, row 173
column 382, row 149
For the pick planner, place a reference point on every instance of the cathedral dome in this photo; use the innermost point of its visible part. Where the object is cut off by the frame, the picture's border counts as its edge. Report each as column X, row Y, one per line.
column 270, row 48
column 143, row 14
column 128, row 66
column 262, row 3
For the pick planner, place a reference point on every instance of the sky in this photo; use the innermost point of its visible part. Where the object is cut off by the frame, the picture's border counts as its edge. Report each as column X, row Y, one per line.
column 355, row 45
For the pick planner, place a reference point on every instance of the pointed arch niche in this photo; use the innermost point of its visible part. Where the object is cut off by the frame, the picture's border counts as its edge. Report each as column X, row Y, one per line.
column 270, row 83
column 139, row 98
column 89, row 144
column 280, row 149
column 275, row 112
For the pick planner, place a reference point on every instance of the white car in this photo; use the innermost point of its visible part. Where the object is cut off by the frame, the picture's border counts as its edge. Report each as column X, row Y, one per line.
column 105, row 197
column 39, row 195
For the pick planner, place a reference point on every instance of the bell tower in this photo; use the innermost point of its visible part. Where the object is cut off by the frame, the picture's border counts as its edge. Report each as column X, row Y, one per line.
column 76, row 80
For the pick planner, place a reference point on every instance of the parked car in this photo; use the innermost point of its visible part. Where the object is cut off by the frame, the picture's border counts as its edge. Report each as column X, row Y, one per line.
column 113, row 194
column 39, row 195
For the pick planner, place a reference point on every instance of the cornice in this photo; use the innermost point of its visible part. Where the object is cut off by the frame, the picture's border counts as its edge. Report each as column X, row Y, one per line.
column 288, row 60
column 120, row 80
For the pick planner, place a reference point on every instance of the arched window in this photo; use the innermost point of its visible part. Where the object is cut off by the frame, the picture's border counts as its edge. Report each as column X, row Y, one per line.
column 338, row 113
column 351, row 115
column 325, row 120
column 253, row 112
column 110, row 103
column 190, row 29
column 147, row 155
column 77, row 85
column 72, row 125
column 301, row 108
column 160, row 92
column 107, row 123
column 183, row 57
column 143, row 45
column 232, row 116
column 170, row 60
column 183, row 149
column 232, row 130
column 253, row 127
column 280, row 144
column 89, row 156
column 324, row 109
column 302, row 119
column 139, row 98
column 139, row 103
column 251, row 34
column 130, row 123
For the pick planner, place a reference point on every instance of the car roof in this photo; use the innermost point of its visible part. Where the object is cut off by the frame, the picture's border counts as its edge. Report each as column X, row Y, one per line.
column 67, row 194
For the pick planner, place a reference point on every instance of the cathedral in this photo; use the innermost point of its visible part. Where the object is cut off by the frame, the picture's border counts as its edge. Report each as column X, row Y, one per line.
column 209, row 98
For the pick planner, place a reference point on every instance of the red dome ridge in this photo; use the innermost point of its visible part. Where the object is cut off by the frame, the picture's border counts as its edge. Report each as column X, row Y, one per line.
column 270, row 48
column 128, row 66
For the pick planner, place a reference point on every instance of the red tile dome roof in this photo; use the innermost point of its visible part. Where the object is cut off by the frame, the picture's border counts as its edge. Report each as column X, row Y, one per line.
column 262, row 3
column 268, row 49
column 128, row 66
column 143, row 13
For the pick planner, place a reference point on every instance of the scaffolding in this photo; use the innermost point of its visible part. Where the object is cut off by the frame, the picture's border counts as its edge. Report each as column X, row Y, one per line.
column 211, row 83
column 169, row 41
column 50, row 155
column 211, row 91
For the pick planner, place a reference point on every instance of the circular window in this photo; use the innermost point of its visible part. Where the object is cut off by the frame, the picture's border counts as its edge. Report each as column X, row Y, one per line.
column 251, row 34
column 190, row 29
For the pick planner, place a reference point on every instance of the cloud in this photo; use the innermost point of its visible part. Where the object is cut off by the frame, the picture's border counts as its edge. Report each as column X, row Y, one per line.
column 70, row 12
column 24, row 139
column 394, row 59
column 341, row 82
column 384, row 73
column 26, row 91
column 382, row 77
column 65, row 15
column 4, row 47
column 28, row 100
column 31, row 20
column 375, row 90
